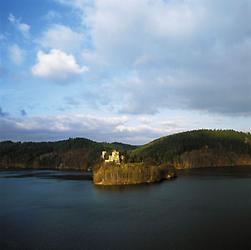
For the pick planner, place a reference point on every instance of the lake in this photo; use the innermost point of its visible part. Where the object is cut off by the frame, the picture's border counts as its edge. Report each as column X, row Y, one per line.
column 201, row 209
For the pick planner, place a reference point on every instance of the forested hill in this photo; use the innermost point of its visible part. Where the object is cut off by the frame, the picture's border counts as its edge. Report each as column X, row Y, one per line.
column 77, row 153
column 198, row 148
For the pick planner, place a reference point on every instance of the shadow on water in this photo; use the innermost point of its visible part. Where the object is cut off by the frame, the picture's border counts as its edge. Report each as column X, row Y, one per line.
column 45, row 174
column 131, row 187
column 225, row 172
column 123, row 188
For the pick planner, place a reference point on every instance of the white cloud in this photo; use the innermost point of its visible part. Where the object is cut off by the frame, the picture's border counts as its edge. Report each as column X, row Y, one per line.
column 109, row 128
column 57, row 66
column 185, row 54
column 200, row 50
column 122, row 31
column 16, row 54
column 129, row 129
column 22, row 27
column 175, row 20
column 61, row 37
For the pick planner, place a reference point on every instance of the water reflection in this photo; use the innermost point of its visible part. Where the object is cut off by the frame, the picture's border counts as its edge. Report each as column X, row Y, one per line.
column 201, row 209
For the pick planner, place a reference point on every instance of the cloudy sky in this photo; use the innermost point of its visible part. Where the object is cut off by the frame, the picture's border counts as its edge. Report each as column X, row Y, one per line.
column 128, row 71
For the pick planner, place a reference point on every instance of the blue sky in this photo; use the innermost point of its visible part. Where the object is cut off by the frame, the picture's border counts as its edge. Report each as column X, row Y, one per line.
column 128, row 71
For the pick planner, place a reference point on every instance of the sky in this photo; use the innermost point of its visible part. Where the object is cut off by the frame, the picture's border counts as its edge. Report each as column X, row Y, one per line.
column 128, row 71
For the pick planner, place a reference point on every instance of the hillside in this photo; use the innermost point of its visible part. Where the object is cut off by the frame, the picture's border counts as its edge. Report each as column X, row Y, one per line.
column 78, row 153
column 198, row 148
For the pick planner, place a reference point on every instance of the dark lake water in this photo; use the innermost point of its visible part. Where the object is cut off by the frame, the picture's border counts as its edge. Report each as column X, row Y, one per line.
column 201, row 209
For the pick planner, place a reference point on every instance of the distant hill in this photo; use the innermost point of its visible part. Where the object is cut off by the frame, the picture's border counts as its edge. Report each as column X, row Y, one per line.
column 77, row 153
column 198, row 148
column 122, row 146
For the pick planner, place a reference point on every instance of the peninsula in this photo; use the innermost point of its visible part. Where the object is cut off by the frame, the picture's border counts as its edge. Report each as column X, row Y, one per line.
column 114, row 170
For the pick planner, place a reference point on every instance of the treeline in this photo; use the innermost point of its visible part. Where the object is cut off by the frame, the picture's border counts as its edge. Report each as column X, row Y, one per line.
column 77, row 153
column 130, row 173
column 199, row 147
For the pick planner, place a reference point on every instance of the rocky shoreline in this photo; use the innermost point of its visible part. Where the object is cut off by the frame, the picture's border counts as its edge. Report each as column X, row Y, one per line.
column 130, row 173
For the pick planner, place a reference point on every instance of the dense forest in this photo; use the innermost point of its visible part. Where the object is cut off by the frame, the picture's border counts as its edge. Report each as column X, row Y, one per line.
column 198, row 148
column 77, row 153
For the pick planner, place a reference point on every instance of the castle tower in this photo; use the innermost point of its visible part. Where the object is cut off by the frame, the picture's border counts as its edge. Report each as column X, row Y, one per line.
column 115, row 157
column 103, row 154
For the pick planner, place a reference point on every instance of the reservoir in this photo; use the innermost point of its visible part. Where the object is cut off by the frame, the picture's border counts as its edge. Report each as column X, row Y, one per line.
column 201, row 209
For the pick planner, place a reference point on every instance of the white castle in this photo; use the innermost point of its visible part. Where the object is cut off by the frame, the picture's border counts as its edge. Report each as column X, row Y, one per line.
column 115, row 157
